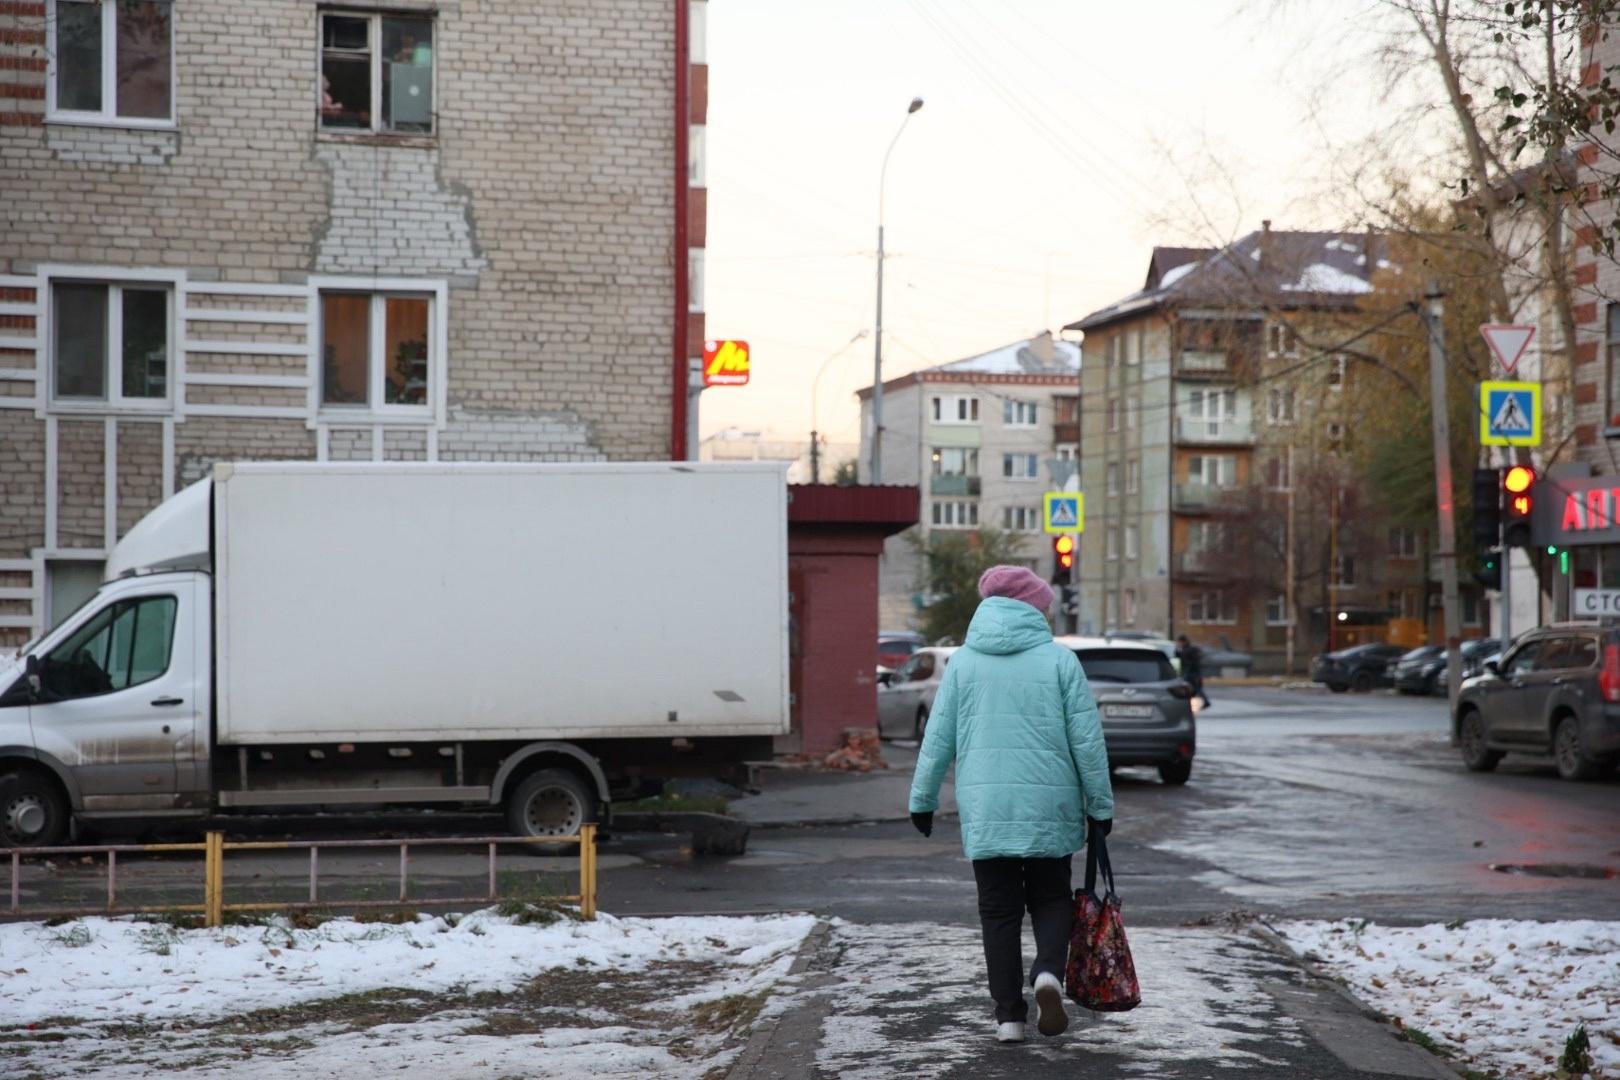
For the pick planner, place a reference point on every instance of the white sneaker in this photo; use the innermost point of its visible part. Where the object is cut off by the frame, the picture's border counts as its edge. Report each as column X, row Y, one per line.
column 1010, row 1032
column 1051, row 1018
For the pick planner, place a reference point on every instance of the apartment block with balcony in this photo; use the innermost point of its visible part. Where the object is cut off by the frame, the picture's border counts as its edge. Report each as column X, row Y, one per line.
column 1210, row 393
column 978, row 436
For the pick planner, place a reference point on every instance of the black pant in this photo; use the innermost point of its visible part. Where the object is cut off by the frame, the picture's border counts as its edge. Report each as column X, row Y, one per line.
column 1197, row 684
column 1007, row 887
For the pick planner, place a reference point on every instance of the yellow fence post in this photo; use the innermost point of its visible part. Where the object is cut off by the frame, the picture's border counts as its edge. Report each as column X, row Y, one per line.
column 587, row 871
column 214, row 879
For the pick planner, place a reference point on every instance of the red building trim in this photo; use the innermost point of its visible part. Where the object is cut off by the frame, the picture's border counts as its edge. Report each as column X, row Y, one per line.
column 678, row 253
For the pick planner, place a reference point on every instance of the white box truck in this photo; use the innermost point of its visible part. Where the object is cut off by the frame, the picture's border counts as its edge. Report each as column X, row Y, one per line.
column 537, row 638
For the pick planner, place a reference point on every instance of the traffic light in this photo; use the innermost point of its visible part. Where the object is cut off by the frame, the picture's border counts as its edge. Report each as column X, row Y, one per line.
column 1518, row 496
column 1062, row 557
column 1489, row 574
column 1487, row 508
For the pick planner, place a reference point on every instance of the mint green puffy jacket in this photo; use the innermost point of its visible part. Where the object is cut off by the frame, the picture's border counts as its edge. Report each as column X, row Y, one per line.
column 1015, row 714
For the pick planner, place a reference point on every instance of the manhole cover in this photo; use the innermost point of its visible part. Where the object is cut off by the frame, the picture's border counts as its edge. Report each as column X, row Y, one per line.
column 1556, row 870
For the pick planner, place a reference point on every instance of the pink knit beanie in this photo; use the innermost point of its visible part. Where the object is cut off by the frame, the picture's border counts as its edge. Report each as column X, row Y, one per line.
column 1016, row 583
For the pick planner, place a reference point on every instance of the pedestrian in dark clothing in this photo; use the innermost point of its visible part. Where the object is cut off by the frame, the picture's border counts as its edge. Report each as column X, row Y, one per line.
column 1015, row 715
column 1192, row 667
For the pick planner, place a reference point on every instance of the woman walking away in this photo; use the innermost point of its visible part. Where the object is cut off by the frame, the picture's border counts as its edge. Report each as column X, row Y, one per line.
column 1015, row 715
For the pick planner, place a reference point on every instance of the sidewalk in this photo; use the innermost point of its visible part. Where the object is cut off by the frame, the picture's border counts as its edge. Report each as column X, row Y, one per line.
column 879, row 1001
column 828, row 797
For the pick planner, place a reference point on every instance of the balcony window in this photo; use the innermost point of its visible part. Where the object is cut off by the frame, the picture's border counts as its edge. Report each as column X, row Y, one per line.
column 1018, row 413
column 953, row 409
column 955, row 461
column 1216, row 470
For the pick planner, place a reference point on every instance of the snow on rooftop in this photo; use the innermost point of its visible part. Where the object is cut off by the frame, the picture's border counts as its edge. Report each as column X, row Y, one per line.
column 1174, row 275
column 1322, row 278
column 1019, row 358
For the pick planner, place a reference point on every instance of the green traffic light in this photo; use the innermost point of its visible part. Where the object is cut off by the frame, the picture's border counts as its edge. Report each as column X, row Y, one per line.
column 1551, row 550
column 1563, row 562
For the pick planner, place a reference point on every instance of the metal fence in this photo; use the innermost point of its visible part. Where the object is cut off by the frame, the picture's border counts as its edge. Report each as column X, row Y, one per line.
column 214, row 848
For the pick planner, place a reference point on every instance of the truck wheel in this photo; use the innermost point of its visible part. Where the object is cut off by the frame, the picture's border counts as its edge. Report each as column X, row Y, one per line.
column 33, row 812
column 1573, row 762
column 1476, row 755
column 551, row 802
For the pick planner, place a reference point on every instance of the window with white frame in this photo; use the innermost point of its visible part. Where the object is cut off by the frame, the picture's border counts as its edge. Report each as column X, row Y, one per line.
column 1133, row 408
column 694, row 279
column 1111, row 549
column 1277, row 610
column 1403, row 542
column 1021, row 466
column 1344, row 572
column 1113, row 414
column 1133, row 477
column 956, row 461
column 1216, row 470
column 955, row 409
column 378, row 351
column 1127, row 607
column 1127, row 348
column 1110, row 608
column 1021, row 518
column 1068, row 452
column 376, row 73
column 111, row 342
column 1131, row 542
column 1280, row 405
column 1113, row 478
column 1018, row 413
column 1611, row 361
column 111, row 63
column 1335, row 371
column 1140, row 352
column 1208, row 410
column 1279, row 472
column 1208, row 606
column 1281, row 341
column 1110, row 352
column 955, row 515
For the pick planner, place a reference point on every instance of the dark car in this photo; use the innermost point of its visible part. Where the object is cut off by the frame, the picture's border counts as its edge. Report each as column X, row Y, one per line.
column 1359, row 668
column 1415, row 671
column 1147, row 715
column 1426, row 674
column 1555, row 691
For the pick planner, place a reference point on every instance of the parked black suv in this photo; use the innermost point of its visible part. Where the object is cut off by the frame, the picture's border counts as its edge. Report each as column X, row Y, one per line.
column 1360, row 667
column 1557, row 691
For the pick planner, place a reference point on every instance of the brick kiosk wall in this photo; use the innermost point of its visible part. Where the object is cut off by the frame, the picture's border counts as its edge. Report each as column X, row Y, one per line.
column 544, row 199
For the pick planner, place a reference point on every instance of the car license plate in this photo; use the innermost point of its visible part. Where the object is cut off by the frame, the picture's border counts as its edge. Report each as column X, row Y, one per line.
column 1128, row 712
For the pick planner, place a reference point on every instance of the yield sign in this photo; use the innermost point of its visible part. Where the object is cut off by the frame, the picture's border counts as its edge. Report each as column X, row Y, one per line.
column 1507, row 342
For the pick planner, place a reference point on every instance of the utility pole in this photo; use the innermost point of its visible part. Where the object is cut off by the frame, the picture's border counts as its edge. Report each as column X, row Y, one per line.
column 1444, row 499
column 1290, row 568
column 815, row 458
column 877, row 330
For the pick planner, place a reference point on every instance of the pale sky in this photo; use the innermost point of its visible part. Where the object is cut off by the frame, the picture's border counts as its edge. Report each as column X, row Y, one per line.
column 1060, row 140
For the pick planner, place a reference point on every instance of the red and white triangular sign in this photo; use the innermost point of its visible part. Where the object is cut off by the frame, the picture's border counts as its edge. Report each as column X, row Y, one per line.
column 1507, row 342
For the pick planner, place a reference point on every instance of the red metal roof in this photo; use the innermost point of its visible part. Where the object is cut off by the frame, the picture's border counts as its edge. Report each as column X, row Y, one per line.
column 892, row 506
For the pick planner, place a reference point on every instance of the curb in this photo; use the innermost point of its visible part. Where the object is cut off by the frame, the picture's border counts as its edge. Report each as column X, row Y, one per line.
column 750, row 1061
column 1260, row 929
column 810, row 823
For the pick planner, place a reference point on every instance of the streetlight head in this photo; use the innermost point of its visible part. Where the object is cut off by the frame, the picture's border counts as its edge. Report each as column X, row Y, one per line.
column 916, row 103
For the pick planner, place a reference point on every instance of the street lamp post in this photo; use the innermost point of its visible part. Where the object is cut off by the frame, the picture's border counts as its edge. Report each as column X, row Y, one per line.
column 815, row 395
column 877, row 333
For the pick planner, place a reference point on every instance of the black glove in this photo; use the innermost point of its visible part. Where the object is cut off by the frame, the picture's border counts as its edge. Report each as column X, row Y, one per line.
column 924, row 822
column 1104, row 826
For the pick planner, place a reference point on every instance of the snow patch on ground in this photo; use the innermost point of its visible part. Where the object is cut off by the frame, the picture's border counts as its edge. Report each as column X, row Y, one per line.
column 1502, row 995
column 912, row 1001
column 117, row 997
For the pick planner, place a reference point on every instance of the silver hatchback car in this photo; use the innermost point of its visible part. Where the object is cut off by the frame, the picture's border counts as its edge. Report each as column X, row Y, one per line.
column 1147, row 713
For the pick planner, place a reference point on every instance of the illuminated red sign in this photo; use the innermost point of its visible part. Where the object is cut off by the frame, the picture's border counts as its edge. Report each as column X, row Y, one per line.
column 725, row 363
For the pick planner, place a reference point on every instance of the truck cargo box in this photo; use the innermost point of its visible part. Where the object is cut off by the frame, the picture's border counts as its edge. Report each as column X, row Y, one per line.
column 418, row 602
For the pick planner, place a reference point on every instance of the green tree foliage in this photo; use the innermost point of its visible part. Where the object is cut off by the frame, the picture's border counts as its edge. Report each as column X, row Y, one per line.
column 952, row 564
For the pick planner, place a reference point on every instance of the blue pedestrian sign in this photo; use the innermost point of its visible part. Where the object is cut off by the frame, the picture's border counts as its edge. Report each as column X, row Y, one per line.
column 1510, row 414
column 1064, row 512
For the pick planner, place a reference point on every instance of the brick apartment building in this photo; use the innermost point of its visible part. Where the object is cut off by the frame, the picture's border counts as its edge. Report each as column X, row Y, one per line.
column 977, row 435
column 1219, row 428
column 411, row 231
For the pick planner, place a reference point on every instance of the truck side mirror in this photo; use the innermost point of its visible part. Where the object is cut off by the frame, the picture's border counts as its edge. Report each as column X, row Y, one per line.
column 31, row 667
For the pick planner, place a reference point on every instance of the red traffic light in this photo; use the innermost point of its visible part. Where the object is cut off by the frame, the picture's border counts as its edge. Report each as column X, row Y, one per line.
column 1063, row 549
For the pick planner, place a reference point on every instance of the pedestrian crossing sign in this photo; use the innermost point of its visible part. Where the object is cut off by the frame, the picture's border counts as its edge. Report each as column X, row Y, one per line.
column 1510, row 414
column 1064, row 512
